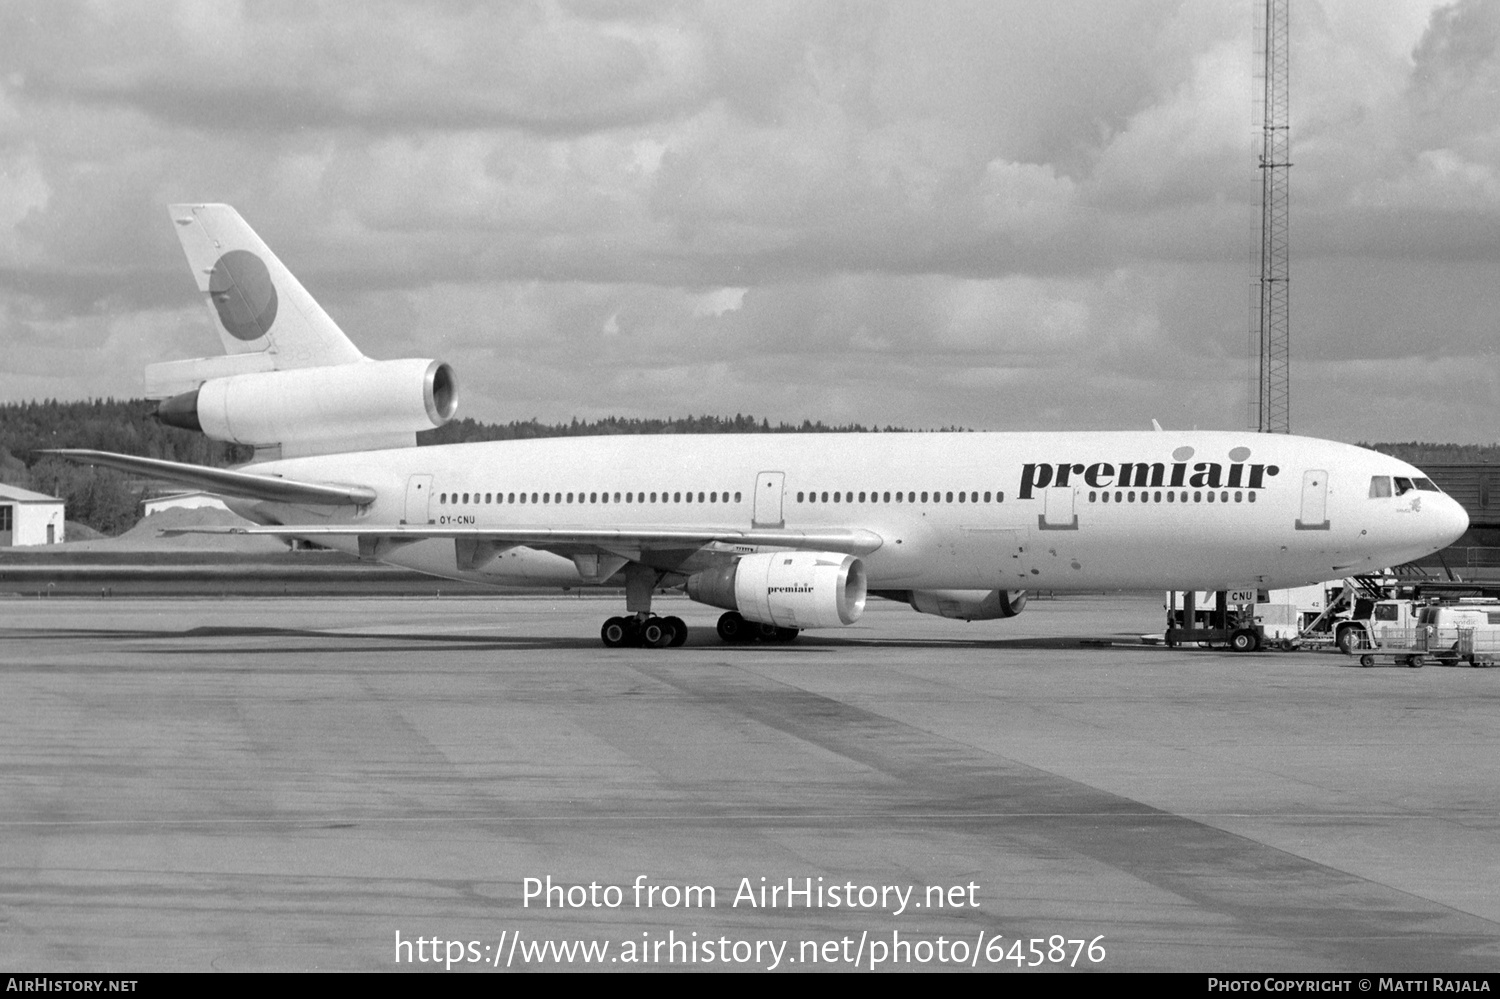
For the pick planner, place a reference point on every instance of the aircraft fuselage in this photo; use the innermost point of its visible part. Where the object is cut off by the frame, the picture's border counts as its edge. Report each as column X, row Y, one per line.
column 1055, row 511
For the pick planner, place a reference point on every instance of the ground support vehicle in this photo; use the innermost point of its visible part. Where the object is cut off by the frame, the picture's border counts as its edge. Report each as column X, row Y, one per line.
column 1446, row 623
column 1245, row 620
column 1215, row 623
column 1279, row 625
column 1373, row 619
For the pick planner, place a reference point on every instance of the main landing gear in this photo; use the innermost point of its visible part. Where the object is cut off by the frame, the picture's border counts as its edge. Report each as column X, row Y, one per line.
column 640, row 628
column 645, row 632
column 735, row 630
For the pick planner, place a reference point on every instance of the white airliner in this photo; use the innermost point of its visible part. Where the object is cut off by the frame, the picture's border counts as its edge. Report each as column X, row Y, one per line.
column 785, row 532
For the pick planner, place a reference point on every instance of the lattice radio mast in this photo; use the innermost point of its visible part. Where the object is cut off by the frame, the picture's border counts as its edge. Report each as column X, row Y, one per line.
column 1271, row 314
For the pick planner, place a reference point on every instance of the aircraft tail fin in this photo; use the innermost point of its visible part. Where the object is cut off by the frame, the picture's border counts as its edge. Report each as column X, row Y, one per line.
column 257, row 305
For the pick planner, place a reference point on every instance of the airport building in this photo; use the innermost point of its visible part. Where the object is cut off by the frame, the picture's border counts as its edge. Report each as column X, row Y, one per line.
column 28, row 518
column 1477, row 487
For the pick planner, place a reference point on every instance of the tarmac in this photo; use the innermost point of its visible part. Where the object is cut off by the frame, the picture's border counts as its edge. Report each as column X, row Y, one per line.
column 388, row 784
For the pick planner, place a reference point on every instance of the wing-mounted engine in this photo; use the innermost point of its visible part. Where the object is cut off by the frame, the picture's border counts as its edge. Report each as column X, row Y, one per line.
column 968, row 605
column 321, row 410
column 787, row 589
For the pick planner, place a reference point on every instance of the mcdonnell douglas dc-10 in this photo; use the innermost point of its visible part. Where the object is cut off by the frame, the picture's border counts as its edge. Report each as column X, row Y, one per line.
column 784, row 532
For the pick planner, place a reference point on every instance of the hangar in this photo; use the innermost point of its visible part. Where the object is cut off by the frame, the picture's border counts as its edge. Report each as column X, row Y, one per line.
column 28, row 518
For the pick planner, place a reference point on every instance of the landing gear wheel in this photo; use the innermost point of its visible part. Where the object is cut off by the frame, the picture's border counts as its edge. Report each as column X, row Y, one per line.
column 765, row 632
column 781, row 636
column 617, row 632
column 1367, row 661
column 734, row 629
column 1244, row 640
column 655, row 633
column 679, row 631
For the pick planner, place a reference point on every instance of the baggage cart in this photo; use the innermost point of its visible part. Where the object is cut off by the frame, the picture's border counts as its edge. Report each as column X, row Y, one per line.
column 1401, row 646
column 1479, row 647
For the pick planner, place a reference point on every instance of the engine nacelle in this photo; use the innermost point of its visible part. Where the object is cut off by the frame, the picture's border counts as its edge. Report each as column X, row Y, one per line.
column 787, row 589
column 343, row 407
column 968, row 605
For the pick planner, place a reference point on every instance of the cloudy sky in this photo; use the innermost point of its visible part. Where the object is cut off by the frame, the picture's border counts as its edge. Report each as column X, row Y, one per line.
column 1001, row 214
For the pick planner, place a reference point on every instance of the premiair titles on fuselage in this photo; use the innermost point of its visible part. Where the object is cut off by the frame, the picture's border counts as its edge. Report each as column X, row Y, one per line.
column 1144, row 474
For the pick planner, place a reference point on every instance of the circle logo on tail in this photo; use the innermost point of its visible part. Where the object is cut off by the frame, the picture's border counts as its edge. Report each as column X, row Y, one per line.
column 241, row 290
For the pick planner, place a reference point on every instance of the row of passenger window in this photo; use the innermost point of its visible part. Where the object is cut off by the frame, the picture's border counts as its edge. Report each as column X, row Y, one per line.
column 964, row 496
column 1145, row 496
column 630, row 497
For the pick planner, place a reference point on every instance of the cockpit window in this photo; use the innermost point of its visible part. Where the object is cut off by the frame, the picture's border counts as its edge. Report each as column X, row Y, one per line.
column 1403, row 486
column 1380, row 486
column 1426, row 485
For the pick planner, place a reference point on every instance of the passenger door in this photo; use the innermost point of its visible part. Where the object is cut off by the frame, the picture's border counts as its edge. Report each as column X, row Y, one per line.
column 1314, row 501
column 769, row 488
column 418, row 495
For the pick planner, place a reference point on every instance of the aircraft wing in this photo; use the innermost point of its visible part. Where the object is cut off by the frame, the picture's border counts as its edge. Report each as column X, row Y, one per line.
column 226, row 482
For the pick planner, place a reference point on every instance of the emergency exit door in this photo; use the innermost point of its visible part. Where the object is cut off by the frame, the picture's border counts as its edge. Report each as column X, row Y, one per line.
column 1058, row 512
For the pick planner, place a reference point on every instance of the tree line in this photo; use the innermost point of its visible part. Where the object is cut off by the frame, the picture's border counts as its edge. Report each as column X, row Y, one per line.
column 467, row 430
column 102, row 499
column 1419, row 454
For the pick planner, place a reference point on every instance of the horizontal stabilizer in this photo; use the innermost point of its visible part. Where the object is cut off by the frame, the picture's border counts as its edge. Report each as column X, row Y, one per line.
column 168, row 378
column 851, row 540
column 223, row 481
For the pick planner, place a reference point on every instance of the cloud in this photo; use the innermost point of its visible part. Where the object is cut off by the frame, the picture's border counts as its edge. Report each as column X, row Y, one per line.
column 270, row 67
column 1184, row 147
column 1021, row 214
column 1398, row 146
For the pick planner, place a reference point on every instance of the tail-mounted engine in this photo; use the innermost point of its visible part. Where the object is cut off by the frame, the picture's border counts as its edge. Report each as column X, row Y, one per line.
column 787, row 589
column 968, row 605
column 320, row 410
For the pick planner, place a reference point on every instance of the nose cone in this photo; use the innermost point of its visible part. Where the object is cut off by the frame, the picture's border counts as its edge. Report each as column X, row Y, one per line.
column 1451, row 523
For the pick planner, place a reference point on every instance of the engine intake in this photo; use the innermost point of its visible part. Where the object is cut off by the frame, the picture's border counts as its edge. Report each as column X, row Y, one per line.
column 787, row 589
column 968, row 605
column 344, row 407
